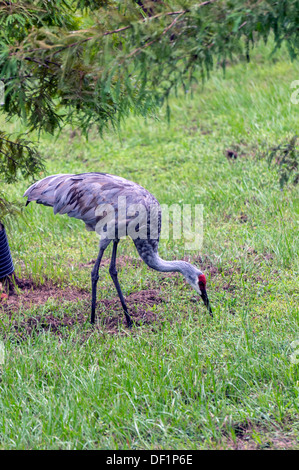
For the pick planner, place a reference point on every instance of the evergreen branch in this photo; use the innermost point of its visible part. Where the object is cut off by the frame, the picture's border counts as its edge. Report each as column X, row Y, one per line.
column 139, row 49
column 124, row 28
column 18, row 155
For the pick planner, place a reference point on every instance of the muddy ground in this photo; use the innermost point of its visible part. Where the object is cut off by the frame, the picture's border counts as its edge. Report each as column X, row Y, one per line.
column 109, row 311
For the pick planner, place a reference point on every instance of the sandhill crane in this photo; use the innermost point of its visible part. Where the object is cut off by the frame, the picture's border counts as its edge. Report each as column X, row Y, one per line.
column 81, row 196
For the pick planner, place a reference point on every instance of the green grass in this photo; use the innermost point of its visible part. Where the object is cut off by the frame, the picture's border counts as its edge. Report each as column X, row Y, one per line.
column 187, row 381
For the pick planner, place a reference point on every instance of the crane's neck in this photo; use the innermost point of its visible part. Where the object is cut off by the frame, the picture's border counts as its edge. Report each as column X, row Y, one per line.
column 191, row 273
column 150, row 256
column 162, row 265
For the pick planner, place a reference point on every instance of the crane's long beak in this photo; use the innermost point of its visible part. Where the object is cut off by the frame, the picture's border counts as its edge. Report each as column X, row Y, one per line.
column 206, row 301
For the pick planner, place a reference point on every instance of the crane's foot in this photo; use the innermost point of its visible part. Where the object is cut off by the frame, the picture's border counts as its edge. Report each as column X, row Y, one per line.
column 129, row 320
column 93, row 316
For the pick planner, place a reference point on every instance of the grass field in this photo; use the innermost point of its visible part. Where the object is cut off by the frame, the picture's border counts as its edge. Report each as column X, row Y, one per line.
column 180, row 380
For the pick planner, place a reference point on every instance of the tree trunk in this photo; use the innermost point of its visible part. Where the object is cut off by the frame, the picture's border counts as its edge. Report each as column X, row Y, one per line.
column 7, row 277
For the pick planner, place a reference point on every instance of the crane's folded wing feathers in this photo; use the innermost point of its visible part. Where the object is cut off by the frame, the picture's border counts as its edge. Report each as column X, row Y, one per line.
column 80, row 195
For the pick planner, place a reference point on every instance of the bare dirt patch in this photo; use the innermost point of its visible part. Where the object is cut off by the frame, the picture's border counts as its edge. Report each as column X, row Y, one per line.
column 110, row 316
column 242, row 218
column 245, row 440
column 231, row 154
column 30, row 293
column 47, row 322
column 139, row 305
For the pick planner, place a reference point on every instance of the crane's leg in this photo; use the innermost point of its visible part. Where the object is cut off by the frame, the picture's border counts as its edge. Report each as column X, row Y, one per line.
column 95, row 278
column 113, row 274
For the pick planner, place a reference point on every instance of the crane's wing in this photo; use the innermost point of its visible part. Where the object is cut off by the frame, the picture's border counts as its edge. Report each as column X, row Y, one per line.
column 80, row 195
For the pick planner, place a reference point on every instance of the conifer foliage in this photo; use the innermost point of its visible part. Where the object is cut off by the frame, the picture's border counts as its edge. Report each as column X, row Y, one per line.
column 92, row 62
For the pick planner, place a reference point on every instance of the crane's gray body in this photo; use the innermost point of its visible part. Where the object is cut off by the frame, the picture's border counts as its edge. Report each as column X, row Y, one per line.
column 80, row 195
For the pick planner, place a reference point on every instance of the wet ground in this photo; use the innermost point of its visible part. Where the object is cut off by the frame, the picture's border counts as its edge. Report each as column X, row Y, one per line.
column 109, row 312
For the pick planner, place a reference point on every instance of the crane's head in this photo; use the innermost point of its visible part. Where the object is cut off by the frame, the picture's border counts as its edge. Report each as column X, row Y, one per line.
column 198, row 281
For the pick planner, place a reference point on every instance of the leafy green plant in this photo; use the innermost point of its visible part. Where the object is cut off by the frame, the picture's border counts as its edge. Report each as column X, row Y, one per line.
column 92, row 63
column 286, row 157
column 18, row 158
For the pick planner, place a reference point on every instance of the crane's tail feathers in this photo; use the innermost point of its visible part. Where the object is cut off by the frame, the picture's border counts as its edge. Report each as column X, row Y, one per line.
column 66, row 194
column 43, row 191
